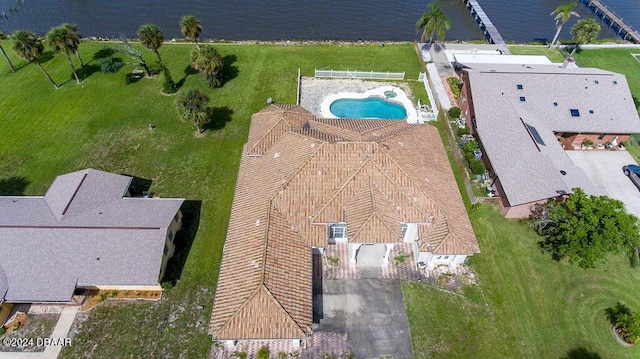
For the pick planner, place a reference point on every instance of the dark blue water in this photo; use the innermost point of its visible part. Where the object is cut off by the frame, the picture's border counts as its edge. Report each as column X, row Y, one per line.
column 371, row 107
column 386, row 20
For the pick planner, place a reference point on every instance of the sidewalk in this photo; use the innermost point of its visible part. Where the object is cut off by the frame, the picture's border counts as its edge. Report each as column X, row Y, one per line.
column 61, row 330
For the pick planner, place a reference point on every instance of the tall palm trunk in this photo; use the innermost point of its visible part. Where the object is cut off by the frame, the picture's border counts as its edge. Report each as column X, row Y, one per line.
column 556, row 35
column 197, row 44
column 7, row 57
column 159, row 58
column 79, row 58
column 73, row 69
column 146, row 68
column 46, row 74
column 574, row 50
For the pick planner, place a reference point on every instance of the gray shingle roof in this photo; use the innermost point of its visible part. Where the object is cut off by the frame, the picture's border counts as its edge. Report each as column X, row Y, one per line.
column 4, row 284
column 518, row 136
column 51, row 243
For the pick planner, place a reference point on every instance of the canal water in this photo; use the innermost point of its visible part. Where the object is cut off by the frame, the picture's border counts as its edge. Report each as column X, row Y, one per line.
column 386, row 20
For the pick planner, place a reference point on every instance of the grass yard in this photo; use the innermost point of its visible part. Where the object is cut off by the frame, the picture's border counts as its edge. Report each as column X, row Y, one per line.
column 103, row 123
column 554, row 55
column 526, row 305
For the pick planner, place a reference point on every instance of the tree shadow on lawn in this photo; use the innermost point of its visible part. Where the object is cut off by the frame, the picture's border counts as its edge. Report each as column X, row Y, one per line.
column 229, row 72
column 581, row 353
column 188, row 71
column 219, row 118
column 183, row 241
column 13, row 186
column 613, row 312
column 46, row 57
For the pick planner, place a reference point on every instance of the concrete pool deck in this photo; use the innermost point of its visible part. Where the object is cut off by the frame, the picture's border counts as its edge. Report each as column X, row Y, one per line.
column 313, row 91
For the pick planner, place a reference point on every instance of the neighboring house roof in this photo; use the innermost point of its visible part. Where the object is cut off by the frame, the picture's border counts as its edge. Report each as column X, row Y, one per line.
column 518, row 134
column 299, row 174
column 82, row 232
column 4, row 284
column 468, row 58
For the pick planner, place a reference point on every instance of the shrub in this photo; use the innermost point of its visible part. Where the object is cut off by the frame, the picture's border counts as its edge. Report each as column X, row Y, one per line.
column 469, row 147
column 2, row 331
column 214, row 81
column 333, row 261
column 263, row 353
column 110, row 65
column 476, row 166
column 587, row 142
column 454, row 112
column 3, row 36
column 463, row 131
column 455, row 85
column 168, row 85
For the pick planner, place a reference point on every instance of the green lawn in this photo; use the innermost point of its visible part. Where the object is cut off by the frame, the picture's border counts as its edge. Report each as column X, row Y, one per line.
column 104, row 123
column 554, row 55
column 526, row 304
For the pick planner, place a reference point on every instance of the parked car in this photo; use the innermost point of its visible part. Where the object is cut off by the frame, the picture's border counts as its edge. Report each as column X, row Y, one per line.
column 633, row 172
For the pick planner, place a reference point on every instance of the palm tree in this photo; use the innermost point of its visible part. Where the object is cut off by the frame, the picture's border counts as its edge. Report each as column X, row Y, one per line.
column 73, row 39
column 4, row 37
column 563, row 13
column 191, row 28
column 58, row 39
column 434, row 23
column 584, row 32
column 29, row 46
column 208, row 61
column 129, row 51
column 192, row 107
column 151, row 37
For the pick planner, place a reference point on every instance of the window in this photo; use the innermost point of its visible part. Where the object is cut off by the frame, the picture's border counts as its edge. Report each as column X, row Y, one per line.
column 596, row 82
column 338, row 231
column 601, row 136
column 438, row 257
column 575, row 112
column 522, row 99
column 446, row 257
column 403, row 228
column 555, row 104
column 170, row 235
column 591, row 112
column 166, row 250
column 519, row 87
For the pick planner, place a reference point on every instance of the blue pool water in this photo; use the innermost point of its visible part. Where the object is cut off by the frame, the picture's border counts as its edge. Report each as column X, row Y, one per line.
column 371, row 107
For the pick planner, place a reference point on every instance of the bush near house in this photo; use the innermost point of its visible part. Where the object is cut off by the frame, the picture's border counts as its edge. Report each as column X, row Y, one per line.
column 454, row 112
column 455, row 85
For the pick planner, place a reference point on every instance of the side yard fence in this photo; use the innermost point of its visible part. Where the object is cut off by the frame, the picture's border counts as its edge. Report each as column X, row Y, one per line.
column 349, row 74
column 428, row 79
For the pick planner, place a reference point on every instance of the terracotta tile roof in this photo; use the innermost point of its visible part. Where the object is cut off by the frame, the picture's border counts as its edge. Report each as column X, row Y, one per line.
column 300, row 174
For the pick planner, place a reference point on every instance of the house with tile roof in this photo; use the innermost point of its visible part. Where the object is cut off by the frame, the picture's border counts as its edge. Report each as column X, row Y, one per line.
column 307, row 183
column 84, row 233
column 526, row 116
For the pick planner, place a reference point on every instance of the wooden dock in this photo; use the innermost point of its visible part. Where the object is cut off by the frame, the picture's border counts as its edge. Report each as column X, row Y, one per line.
column 613, row 20
column 483, row 22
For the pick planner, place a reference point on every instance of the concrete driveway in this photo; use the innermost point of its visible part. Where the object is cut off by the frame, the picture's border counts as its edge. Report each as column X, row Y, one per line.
column 370, row 312
column 604, row 169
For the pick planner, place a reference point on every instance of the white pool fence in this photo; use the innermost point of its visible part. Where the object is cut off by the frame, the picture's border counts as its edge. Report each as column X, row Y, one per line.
column 355, row 74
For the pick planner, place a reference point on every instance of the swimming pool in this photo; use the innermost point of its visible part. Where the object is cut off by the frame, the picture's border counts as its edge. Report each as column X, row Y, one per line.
column 370, row 107
column 386, row 102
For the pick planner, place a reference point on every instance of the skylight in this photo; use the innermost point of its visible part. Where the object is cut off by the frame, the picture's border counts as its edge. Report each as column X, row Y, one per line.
column 555, row 104
column 615, row 82
column 591, row 112
column 596, row 82
column 575, row 112
column 522, row 99
column 520, row 87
